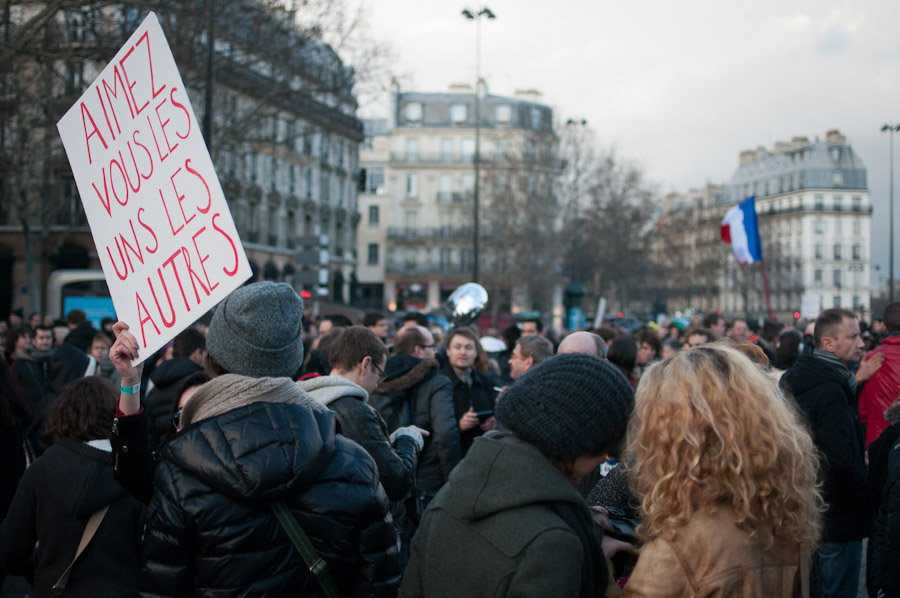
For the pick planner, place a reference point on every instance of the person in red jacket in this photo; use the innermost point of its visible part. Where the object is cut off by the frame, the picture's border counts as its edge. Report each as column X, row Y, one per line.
column 884, row 387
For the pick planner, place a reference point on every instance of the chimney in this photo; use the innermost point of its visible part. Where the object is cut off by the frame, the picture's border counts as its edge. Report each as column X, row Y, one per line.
column 834, row 137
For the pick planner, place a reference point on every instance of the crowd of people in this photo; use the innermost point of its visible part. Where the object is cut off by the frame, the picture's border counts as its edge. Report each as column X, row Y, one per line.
column 265, row 453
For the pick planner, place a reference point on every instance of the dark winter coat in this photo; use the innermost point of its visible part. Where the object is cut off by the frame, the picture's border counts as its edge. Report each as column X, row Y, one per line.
column 166, row 379
column 414, row 392
column 67, row 363
column 211, row 531
column 882, row 568
column 361, row 423
column 880, row 451
column 57, row 496
column 480, row 396
column 502, row 527
column 823, row 394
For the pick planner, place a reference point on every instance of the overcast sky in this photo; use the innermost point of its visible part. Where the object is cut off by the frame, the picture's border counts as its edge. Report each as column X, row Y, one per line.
column 678, row 87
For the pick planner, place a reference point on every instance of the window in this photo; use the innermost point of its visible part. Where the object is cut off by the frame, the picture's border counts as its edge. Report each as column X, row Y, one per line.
column 445, row 259
column 838, row 226
column 837, row 278
column 836, row 302
column 857, row 204
column 857, row 226
column 412, row 149
column 838, row 203
column 373, row 215
column 817, row 251
column 373, row 254
column 446, row 150
column 458, row 114
column 503, row 114
column 856, row 304
column 468, row 150
column 837, row 251
column 817, row 276
column 819, row 226
column 856, row 252
column 535, row 117
column 412, row 185
column 838, row 179
column 502, row 148
column 411, row 218
column 414, row 112
column 820, row 202
column 445, row 188
column 374, row 180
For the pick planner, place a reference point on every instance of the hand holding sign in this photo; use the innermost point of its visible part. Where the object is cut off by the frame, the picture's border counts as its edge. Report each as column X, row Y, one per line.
column 163, row 231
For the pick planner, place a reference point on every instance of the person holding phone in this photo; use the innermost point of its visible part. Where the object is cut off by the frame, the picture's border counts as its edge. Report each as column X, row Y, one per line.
column 473, row 391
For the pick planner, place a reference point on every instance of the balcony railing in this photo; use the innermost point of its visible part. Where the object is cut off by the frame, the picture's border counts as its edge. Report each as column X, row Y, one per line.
column 405, row 267
column 428, row 234
column 451, row 197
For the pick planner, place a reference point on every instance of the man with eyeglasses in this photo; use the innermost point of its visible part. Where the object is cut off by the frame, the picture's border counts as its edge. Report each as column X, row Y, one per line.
column 414, row 392
column 357, row 361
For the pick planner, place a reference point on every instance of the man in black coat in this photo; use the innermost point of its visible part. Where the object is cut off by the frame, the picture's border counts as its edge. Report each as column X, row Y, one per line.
column 414, row 392
column 358, row 360
column 825, row 390
column 473, row 391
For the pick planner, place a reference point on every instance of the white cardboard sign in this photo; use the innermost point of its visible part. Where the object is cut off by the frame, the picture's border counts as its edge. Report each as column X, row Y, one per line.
column 163, row 231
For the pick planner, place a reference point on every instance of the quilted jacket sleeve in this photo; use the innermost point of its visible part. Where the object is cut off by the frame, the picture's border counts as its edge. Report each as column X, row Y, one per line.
column 167, row 560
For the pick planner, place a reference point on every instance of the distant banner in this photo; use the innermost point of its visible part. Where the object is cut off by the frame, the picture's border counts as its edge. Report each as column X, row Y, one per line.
column 164, row 234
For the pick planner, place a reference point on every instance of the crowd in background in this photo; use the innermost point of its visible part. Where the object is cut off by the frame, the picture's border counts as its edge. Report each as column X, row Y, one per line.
column 716, row 455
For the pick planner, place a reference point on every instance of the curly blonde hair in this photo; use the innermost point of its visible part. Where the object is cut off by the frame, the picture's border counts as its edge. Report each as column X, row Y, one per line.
column 710, row 431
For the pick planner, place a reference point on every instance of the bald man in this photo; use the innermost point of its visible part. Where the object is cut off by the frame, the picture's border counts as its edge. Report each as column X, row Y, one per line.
column 583, row 342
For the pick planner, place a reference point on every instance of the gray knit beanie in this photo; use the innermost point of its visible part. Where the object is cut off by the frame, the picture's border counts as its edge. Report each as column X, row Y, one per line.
column 567, row 406
column 256, row 331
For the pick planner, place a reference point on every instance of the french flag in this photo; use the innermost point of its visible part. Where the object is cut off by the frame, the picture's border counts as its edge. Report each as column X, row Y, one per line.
column 740, row 228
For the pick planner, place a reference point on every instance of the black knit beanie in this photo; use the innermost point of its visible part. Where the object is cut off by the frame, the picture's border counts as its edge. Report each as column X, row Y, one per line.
column 567, row 406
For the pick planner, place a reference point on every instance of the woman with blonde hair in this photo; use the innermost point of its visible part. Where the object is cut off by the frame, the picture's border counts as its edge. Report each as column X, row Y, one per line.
column 726, row 477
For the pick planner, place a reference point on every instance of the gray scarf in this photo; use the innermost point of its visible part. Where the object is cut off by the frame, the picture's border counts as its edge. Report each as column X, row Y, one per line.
column 836, row 362
column 232, row 391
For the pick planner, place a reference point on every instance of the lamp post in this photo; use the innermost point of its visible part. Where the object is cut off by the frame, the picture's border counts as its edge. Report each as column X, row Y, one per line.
column 484, row 12
column 890, row 128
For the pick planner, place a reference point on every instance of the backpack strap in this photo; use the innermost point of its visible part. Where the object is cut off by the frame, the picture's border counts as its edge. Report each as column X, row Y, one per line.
column 318, row 568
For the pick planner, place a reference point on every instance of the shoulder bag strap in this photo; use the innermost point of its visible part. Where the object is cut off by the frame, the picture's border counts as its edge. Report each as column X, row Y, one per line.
column 318, row 568
column 89, row 530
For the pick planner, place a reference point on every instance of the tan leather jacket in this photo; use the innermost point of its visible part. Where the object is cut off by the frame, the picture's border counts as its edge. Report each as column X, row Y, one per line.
column 712, row 558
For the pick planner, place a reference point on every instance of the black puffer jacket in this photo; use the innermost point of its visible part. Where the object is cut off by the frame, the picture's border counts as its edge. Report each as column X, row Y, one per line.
column 159, row 401
column 414, row 392
column 823, row 394
column 211, row 531
column 361, row 423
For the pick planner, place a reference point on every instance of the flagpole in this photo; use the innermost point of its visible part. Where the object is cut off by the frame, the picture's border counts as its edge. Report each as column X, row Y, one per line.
column 762, row 265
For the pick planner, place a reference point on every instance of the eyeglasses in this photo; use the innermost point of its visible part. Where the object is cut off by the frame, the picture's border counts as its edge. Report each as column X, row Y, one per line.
column 176, row 420
column 431, row 346
column 379, row 370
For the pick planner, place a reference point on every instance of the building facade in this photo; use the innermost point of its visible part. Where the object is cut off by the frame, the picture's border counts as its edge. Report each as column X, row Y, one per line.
column 814, row 214
column 284, row 138
column 416, row 237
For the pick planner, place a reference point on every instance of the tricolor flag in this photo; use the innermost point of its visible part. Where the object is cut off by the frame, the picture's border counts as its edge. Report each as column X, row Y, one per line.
column 740, row 228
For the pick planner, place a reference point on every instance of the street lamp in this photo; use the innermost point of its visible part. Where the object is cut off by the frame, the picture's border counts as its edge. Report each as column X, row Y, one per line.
column 484, row 12
column 890, row 128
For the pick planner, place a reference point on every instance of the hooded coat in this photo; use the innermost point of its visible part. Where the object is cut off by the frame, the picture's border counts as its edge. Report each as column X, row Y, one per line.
column 57, row 496
column 248, row 443
column 166, row 379
column 414, row 392
column 361, row 423
column 823, row 394
column 496, row 530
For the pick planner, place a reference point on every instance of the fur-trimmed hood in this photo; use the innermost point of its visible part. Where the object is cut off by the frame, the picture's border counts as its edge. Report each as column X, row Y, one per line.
column 892, row 413
column 403, row 372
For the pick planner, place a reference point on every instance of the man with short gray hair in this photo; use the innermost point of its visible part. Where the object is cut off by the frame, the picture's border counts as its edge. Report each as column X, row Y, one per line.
column 529, row 351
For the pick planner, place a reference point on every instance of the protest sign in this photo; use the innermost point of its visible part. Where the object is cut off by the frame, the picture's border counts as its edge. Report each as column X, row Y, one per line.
column 163, row 231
